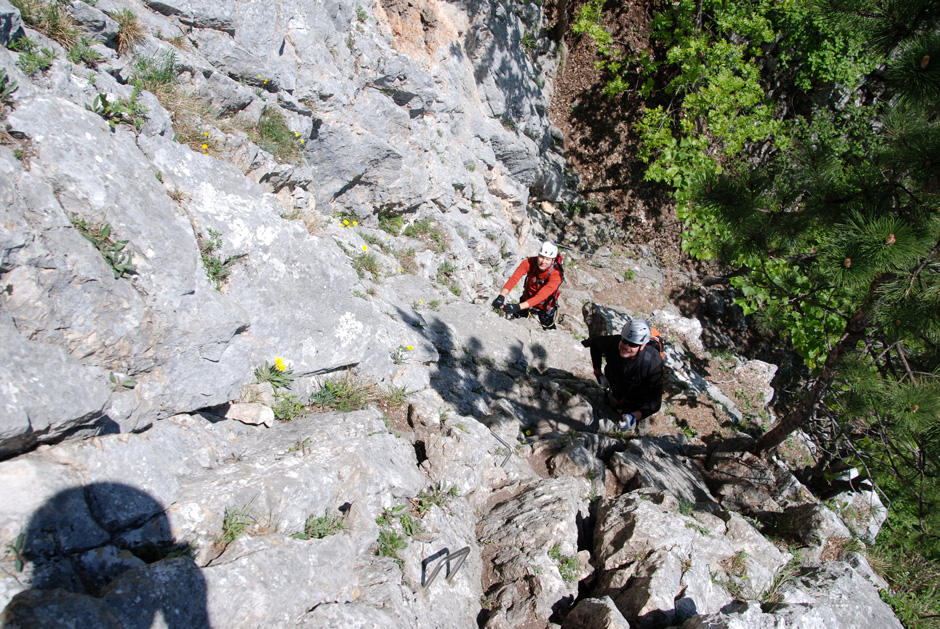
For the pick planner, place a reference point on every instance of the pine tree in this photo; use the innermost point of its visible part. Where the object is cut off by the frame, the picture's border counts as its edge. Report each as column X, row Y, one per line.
column 840, row 234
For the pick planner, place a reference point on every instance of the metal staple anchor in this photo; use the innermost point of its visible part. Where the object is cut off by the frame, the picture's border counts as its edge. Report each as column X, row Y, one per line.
column 509, row 447
column 448, row 557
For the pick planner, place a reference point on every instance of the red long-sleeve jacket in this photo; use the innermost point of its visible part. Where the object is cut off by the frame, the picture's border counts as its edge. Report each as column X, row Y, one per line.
column 538, row 286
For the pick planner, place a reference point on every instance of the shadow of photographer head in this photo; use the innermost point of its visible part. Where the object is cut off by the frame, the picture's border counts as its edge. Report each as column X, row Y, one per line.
column 103, row 555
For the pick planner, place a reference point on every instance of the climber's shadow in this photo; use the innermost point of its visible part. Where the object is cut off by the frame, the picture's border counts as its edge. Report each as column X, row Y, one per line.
column 103, row 555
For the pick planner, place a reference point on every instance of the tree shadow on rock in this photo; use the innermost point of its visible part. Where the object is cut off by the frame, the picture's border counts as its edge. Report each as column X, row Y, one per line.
column 102, row 555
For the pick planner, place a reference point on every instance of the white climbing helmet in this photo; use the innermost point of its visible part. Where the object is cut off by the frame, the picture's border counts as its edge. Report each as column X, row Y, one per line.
column 636, row 332
column 548, row 250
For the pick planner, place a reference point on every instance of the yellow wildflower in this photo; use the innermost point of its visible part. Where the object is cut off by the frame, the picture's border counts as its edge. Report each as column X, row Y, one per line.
column 205, row 133
column 302, row 140
column 280, row 364
column 410, row 347
column 296, row 135
column 355, row 223
column 364, row 248
column 205, row 147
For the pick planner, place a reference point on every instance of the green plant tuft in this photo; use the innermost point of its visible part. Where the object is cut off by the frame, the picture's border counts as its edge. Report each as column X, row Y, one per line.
column 235, row 523
column 81, row 52
column 217, row 269
column 287, row 407
column 278, row 374
column 130, row 30
column 323, row 526
column 568, row 565
column 344, row 395
column 32, row 58
column 274, row 136
column 112, row 251
column 128, row 111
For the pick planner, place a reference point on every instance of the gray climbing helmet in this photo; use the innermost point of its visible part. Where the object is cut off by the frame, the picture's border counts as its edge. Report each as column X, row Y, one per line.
column 636, row 332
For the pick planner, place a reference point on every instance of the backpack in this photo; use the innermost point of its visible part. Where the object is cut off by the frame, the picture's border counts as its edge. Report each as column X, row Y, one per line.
column 657, row 340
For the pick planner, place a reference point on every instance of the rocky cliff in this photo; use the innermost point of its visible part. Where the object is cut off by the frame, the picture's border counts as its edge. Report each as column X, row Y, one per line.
column 251, row 377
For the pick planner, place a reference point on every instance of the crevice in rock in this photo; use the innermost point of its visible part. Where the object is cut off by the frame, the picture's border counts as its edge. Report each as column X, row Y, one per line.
column 420, row 452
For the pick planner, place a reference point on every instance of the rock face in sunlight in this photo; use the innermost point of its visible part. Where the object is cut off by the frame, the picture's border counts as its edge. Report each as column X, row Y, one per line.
column 252, row 376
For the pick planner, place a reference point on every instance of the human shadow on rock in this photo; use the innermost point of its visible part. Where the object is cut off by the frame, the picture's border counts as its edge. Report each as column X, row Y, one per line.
column 102, row 555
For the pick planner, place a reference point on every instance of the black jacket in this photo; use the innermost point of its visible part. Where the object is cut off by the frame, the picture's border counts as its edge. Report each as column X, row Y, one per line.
column 635, row 383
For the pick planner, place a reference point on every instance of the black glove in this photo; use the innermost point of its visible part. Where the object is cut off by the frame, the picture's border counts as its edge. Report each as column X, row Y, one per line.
column 603, row 381
column 511, row 309
column 498, row 302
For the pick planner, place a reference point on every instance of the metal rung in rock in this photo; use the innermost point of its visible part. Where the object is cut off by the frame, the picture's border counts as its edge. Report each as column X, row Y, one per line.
column 460, row 556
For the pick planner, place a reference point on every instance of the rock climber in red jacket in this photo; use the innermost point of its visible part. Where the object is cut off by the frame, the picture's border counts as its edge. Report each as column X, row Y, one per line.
column 543, row 275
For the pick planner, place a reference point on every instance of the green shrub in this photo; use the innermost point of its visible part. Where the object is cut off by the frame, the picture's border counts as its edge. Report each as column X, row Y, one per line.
column 391, row 224
column 366, row 262
column 426, row 231
column 389, row 544
column 435, row 496
column 287, row 407
column 567, row 564
column 914, row 578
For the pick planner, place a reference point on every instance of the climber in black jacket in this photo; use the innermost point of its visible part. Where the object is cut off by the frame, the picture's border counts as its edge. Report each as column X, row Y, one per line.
column 634, row 372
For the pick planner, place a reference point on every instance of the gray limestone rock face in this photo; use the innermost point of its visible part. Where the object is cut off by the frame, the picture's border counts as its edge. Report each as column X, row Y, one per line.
column 47, row 393
column 11, row 23
column 832, row 595
column 429, row 113
column 862, row 511
column 656, row 463
column 595, row 613
column 529, row 539
column 659, row 565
